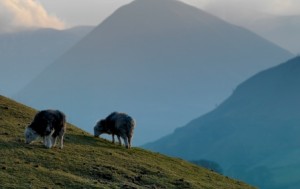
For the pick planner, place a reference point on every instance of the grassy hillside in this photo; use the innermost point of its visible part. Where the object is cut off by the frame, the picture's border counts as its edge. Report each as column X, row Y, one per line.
column 88, row 162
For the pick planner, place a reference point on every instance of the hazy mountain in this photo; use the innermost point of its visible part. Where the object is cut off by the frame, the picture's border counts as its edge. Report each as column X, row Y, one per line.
column 23, row 55
column 161, row 61
column 253, row 135
column 282, row 30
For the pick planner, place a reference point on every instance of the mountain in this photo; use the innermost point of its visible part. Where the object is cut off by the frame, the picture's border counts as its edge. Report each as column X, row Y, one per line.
column 282, row 30
column 161, row 61
column 253, row 135
column 25, row 54
column 88, row 162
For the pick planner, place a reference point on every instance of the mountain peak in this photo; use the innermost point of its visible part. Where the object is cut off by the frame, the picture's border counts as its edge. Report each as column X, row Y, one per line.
column 170, row 62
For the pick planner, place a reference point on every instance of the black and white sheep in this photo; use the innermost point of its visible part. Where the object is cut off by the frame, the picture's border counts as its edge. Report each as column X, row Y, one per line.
column 48, row 124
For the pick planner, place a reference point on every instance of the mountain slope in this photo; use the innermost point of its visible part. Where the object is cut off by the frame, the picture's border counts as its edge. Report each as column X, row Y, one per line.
column 25, row 54
column 88, row 162
column 282, row 30
column 161, row 61
column 253, row 135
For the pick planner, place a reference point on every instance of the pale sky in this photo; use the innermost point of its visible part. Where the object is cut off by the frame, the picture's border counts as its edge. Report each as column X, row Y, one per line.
column 66, row 13
column 92, row 12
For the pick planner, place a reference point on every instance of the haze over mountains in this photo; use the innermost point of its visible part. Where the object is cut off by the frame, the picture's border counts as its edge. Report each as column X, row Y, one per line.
column 282, row 30
column 25, row 54
column 253, row 135
column 161, row 61
column 277, row 21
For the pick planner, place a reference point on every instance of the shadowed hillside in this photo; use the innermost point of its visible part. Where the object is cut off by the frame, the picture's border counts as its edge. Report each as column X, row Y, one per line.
column 253, row 135
column 88, row 162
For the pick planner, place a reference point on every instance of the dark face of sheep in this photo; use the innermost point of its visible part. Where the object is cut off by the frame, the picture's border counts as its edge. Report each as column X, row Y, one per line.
column 99, row 128
column 30, row 135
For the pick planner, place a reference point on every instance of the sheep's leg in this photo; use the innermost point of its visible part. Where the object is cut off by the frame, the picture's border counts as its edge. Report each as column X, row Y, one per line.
column 54, row 141
column 61, row 138
column 119, row 139
column 113, row 138
column 129, row 141
column 125, row 138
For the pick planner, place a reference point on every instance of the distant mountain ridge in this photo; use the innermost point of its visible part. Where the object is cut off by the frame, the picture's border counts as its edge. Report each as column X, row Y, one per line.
column 283, row 30
column 253, row 135
column 25, row 54
column 280, row 29
column 161, row 61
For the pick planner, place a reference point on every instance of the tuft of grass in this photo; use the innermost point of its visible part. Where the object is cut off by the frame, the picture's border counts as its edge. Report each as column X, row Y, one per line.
column 88, row 162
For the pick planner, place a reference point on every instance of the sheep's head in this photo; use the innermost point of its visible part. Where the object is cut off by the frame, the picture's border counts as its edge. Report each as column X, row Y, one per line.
column 30, row 135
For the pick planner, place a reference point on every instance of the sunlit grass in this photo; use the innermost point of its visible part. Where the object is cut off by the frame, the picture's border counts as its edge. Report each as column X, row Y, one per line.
column 88, row 162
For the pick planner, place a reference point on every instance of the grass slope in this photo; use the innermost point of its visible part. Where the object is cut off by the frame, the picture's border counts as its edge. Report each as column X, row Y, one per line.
column 88, row 162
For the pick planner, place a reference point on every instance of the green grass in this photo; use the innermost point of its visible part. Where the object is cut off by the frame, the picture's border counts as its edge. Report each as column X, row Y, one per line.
column 88, row 162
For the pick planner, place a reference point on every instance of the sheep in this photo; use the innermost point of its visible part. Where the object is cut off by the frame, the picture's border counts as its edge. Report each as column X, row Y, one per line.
column 48, row 124
column 119, row 124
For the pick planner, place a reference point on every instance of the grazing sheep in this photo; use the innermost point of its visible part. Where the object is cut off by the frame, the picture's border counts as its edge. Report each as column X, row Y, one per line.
column 48, row 124
column 119, row 124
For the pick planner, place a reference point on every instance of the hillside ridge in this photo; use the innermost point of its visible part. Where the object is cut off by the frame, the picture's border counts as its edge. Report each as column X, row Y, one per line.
column 88, row 162
column 253, row 135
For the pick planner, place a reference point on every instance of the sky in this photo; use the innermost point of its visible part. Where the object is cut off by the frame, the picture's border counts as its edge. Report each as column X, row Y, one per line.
column 16, row 14
column 59, row 14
